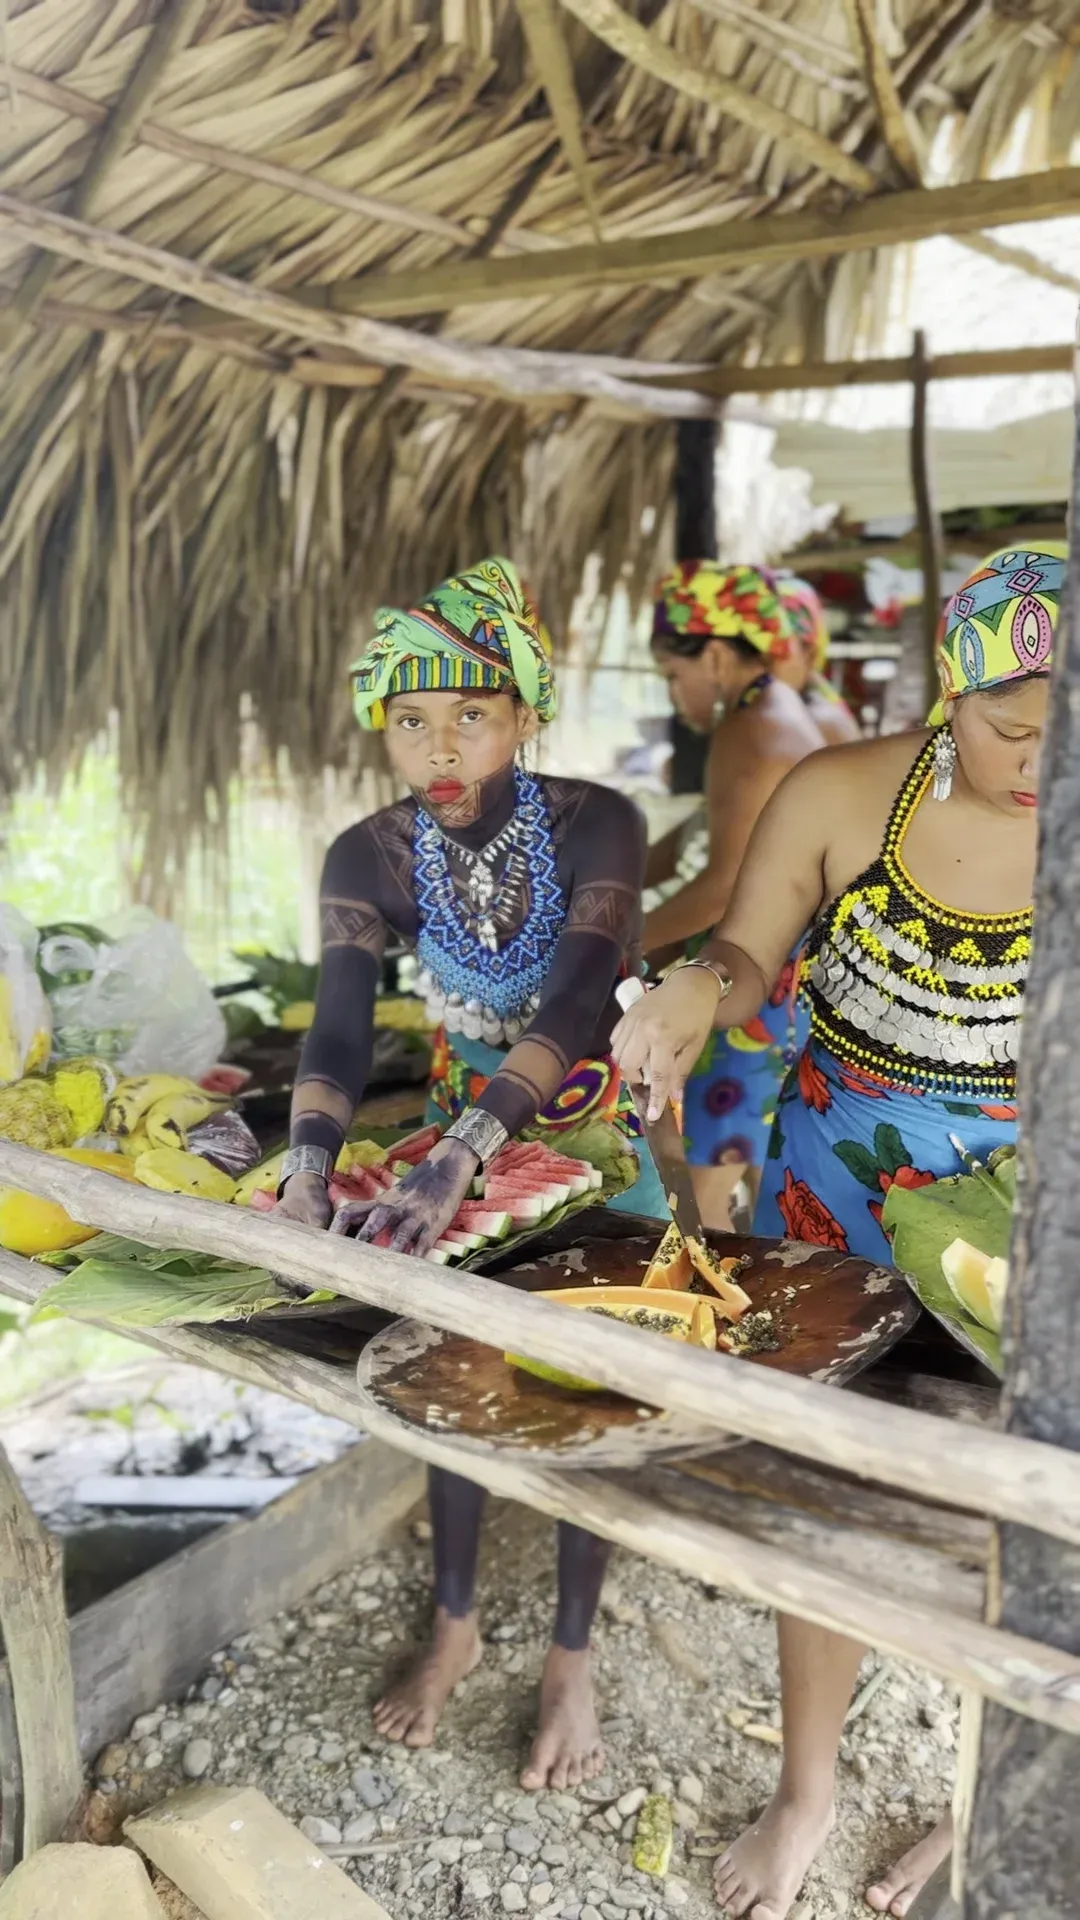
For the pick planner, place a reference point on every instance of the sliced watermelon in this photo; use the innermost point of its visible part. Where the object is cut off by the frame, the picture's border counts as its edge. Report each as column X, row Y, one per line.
column 526, row 1210
column 355, row 1185
column 263, row 1200
column 442, row 1254
column 474, row 1217
column 416, row 1146
column 462, row 1239
column 382, row 1177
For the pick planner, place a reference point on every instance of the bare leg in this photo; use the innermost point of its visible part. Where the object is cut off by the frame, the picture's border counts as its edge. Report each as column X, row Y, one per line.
column 713, row 1188
column 411, row 1711
column 568, row 1748
column 898, row 1890
column 761, row 1874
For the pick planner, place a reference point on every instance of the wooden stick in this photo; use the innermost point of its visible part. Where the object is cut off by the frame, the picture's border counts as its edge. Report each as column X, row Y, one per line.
column 518, row 373
column 987, row 1472
column 33, row 1625
column 927, row 519
column 1031, row 1679
column 879, row 74
column 1020, row 258
column 635, row 43
column 551, row 57
column 825, row 374
column 172, row 29
column 886, row 220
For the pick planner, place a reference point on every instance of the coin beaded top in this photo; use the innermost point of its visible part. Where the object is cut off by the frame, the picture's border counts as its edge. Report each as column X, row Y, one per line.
column 909, row 990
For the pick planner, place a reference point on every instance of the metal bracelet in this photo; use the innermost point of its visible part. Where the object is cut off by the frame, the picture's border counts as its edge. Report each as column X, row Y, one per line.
column 306, row 1160
column 480, row 1132
column 718, row 970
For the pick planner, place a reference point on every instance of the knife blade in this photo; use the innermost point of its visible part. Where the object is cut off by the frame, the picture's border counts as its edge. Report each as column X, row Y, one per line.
column 665, row 1141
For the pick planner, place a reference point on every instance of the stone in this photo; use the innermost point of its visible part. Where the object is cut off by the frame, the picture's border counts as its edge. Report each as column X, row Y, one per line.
column 237, row 1858
column 152, row 1760
column 525, row 1841
column 446, row 1850
column 147, row 1724
column 362, row 1830
column 513, row 1899
column 373, row 1789
column 458, row 1822
column 493, row 1842
column 111, row 1761
column 691, row 1790
column 541, row 1893
column 197, row 1759
column 555, row 1856
column 675, row 1894
column 590, row 1913
column 332, row 1752
column 96, row 1883
column 683, row 1815
column 629, row 1899
column 170, row 1731
column 614, row 1818
column 324, row 1833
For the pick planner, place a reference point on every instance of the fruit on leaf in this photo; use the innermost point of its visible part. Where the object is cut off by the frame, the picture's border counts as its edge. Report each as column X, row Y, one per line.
column 676, row 1316
column 717, row 1272
column 170, row 1170
column 169, row 1121
column 670, row 1265
column 132, row 1100
column 262, row 1179
column 30, row 1225
column 32, row 1115
column 654, row 1836
column 978, row 1282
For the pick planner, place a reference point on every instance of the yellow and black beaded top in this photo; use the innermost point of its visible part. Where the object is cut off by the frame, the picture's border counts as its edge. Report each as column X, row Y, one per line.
column 910, row 990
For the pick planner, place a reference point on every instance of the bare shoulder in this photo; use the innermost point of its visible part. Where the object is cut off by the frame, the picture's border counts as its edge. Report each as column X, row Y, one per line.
column 587, row 802
column 356, row 852
column 862, row 770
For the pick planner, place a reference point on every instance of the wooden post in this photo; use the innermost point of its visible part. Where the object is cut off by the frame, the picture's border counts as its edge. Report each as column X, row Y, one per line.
column 930, row 536
column 34, row 1626
column 1024, row 1850
column 695, row 539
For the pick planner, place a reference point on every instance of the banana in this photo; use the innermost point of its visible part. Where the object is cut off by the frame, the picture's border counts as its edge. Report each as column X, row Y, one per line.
column 169, row 1121
column 133, row 1099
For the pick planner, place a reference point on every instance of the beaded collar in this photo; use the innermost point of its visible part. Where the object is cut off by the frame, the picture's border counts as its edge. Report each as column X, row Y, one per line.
column 487, row 994
column 910, row 990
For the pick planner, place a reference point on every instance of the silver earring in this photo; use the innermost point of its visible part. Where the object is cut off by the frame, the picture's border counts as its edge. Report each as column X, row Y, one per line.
column 944, row 764
column 719, row 710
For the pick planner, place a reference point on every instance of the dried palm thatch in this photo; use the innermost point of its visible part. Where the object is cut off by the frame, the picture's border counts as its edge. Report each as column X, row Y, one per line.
column 214, row 463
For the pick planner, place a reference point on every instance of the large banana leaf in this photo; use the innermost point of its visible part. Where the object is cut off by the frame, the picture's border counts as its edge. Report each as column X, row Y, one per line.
column 110, row 1278
column 923, row 1221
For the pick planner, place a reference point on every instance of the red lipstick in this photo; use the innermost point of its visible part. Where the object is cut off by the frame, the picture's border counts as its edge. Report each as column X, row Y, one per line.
column 444, row 792
column 1026, row 799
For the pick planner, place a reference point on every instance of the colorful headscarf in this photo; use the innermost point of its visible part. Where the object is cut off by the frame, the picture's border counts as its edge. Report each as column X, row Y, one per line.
column 807, row 615
column 478, row 629
column 1000, row 624
column 702, row 600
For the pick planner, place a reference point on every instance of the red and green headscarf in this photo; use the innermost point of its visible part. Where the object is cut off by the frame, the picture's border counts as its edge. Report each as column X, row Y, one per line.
column 807, row 616
column 701, row 600
column 478, row 629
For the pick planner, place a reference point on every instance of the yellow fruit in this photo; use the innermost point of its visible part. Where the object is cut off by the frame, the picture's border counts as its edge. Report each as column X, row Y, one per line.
column 670, row 1266
column 132, row 1099
column 402, row 1014
column 31, row 1115
column 360, row 1153
column 84, row 1086
column 169, row 1121
column 718, row 1272
column 654, row 1836
column 677, row 1316
column 978, row 1282
column 37, row 1053
column 170, row 1170
column 298, row 1017
column 262, row 1178
column 10, row 1051
column 30, row 1225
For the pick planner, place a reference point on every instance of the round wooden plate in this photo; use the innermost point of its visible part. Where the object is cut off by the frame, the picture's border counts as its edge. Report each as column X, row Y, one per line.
column 837, row 1315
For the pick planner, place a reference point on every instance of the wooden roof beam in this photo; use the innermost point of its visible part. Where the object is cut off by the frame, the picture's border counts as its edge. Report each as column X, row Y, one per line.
column 893, row 219
column 895, row 126
column 546, row 42
column 635, row 43
column 826, row 374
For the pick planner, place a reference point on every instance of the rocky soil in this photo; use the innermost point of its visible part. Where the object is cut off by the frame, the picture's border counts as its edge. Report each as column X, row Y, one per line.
column 688, row 1689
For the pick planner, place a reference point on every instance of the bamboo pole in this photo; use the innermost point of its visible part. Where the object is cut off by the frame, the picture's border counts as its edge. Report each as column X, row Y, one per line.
column 891, row 113
column 826, row 374
column 518, row 373
column 884, row 220
column 990, row 1473
column 927, row 518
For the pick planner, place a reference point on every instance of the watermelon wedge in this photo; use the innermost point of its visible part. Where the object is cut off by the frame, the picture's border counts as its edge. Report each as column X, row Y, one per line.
column 442, row 1254
column 473, row 1216
column 464, row 1241
column 525, row 1209
column 416, row 1146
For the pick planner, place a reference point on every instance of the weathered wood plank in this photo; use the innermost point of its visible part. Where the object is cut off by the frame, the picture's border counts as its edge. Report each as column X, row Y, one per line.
column 885, row 220
column 973, row 1468
column 827, row 374
column 34, row 1628
column 1023, row 1855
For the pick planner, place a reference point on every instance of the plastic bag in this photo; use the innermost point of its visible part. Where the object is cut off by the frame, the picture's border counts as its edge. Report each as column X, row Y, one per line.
column 25, row 1018
column 134, row 998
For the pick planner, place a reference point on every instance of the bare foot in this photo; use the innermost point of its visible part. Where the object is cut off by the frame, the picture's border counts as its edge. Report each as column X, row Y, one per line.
column 411, row 1711
column 896, row 1892
column 760, row 1875
column 568, row 1748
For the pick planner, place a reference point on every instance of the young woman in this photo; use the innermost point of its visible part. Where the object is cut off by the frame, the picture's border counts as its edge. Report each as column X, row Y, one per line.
column 522, row 897
column 804, row 667
column 720, row 637
column 914, row 856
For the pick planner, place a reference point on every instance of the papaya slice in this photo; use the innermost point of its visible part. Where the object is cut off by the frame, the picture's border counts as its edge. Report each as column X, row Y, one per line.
column 977, row 1281
column 670, row 1266
column 717, row 1272
column 677, row 1316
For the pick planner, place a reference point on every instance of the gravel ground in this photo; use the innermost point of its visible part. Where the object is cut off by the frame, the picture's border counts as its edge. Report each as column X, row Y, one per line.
column 688, row 1692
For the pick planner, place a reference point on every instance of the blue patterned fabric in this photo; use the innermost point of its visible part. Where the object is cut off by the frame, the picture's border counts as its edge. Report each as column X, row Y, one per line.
column 730, row 1098
column 452, row 952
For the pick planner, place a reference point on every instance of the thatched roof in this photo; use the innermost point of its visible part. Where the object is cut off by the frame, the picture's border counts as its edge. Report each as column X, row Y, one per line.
column 214, row 461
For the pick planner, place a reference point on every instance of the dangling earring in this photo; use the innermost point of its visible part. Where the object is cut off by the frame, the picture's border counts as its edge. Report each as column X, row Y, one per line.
column 944, row 763
column 719, row 710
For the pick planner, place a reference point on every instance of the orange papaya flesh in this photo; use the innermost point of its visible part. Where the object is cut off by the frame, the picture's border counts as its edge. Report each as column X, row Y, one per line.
column 717, row 1273
column 670, row 1266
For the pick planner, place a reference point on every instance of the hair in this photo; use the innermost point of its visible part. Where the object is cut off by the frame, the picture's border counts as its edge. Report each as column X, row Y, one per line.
column 1002, row 689
column 690, row 646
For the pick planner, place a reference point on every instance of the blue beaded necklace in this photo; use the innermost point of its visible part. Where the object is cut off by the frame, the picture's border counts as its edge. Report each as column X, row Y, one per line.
column 492, row 983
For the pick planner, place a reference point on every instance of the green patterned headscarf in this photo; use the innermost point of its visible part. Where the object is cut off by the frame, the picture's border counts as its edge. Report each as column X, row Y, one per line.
column 479, row 629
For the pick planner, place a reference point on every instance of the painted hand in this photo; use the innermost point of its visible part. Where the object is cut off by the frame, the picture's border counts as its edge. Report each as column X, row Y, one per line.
column 417, row 1212
column 305, row 1199
column 658, row 1041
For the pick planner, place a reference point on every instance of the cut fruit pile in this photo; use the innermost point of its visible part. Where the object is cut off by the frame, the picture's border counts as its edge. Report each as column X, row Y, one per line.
column 978, row 1282
column 684, row 1317
column 525, row 1183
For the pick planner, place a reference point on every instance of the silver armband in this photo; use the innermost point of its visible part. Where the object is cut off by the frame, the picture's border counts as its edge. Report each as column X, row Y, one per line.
column 716, row 967
column 306, row 1160
column 480, row 1132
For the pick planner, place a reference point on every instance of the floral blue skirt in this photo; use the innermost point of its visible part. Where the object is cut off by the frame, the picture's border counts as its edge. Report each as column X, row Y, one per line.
column 842, row 1138
column 729, row 1101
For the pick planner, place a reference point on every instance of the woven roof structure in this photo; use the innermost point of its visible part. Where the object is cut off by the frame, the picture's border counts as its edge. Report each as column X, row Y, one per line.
column 303, row 302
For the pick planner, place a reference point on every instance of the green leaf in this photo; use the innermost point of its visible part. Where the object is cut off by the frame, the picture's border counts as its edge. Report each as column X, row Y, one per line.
column 889, row 1148
column 923, row 1221
column 131, row 1295
column 859, row 1162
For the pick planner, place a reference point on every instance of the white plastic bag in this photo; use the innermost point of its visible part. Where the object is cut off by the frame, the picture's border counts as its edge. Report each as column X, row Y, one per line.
column 25, row 1019
column 145, row 1005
